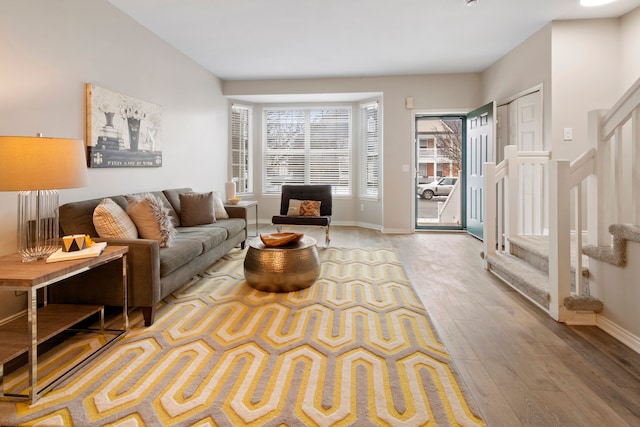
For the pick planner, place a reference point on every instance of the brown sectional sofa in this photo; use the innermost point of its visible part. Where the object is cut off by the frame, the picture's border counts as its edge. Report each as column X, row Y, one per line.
column 153, row 272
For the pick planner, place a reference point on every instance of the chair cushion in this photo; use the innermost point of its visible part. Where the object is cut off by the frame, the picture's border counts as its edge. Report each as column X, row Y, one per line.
column 301, row 220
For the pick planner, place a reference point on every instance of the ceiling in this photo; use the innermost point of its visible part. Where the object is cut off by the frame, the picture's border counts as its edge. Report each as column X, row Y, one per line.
column 285, row 39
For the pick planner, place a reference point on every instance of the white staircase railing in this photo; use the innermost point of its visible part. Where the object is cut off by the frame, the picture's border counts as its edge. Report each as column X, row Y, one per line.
column 516, row 197
column 603, row 184
column 584, row 197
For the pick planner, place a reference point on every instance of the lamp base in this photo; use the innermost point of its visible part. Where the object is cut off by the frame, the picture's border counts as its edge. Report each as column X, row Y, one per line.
column 38, row 224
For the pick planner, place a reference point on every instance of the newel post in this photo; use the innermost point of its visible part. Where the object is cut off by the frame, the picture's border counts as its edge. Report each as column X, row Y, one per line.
column 559, row 237
column 489, row 214
column 512, row 194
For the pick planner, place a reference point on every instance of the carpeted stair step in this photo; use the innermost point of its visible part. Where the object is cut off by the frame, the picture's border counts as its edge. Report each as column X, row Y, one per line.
column 535, row 251
column 532, row 249
column 616, row 253
column 583, row 303
column 522, row 276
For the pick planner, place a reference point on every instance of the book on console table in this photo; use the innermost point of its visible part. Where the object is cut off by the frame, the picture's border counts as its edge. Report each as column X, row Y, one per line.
column 91, row 252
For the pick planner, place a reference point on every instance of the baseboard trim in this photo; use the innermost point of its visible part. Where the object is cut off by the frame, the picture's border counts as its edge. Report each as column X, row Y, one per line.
column 389, row 230
column 619, row 333
column 579, row 318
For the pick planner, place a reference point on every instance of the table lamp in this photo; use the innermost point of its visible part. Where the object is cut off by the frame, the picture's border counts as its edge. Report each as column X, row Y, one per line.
column 37, row 167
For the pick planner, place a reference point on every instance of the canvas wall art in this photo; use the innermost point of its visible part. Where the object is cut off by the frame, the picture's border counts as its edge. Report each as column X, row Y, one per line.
column 122, row 131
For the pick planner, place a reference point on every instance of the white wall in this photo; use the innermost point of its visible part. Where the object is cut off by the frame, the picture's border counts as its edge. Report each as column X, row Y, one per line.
column 49, row 49
column 585, row 68
column 630, row 48
column 619, row 288
column 526, row 66
column 450, row 92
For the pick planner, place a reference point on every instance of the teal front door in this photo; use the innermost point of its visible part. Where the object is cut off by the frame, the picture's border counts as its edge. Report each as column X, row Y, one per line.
column 480, row 149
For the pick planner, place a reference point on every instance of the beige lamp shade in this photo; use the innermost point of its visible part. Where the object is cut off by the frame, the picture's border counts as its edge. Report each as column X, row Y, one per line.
column 38, row 163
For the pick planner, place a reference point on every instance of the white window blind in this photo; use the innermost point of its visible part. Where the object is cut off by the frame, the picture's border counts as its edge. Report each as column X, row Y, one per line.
column 370, row 145
column 240, row 148
column 307, row 146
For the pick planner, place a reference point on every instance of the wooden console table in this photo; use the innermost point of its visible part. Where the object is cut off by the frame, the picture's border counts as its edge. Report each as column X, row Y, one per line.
column 23, row 334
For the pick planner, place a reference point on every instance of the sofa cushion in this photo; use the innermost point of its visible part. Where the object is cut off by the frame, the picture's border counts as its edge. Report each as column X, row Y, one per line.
column 173, row 197
column 152, row 218
column 111, row 221
column 232, row 225
column 179, row 254
column 196, row 209
column 208, row 235
column 77, row 217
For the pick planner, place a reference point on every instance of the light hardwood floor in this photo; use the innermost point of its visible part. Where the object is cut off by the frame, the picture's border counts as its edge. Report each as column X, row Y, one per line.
column 522, row 367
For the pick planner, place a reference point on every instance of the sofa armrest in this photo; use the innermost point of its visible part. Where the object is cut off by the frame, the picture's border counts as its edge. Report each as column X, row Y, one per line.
column 143, row 270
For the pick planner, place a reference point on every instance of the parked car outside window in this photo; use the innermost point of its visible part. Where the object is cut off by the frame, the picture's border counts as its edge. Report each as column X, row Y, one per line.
column 440, row 187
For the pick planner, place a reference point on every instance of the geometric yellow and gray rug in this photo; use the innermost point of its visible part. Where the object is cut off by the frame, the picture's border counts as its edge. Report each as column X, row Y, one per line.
column 357, row 348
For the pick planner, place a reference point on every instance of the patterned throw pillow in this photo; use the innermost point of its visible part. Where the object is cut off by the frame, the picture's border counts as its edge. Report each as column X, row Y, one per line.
column 152, row 218
column 310, row 208
column 196, row 209
column 303, row 208
column 112, row 222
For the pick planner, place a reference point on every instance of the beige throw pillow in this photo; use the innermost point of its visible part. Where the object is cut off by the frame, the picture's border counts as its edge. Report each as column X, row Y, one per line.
column 218, row 205
column 196, row 209
column 294, row 207
column 152, row 218
column 112, row 222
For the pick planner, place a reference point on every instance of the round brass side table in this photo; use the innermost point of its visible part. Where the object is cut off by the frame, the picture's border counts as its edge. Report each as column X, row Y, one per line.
column 284, row 268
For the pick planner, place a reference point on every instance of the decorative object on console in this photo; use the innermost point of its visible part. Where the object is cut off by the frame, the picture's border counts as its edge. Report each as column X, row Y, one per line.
column 230, row 190
column 122, row 131
column 90, row 252
column 74, row 243
column 37, row 167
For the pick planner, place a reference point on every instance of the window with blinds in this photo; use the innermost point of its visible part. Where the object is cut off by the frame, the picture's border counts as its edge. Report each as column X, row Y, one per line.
column 240, row 148
column 307, row 146
column 370, row 146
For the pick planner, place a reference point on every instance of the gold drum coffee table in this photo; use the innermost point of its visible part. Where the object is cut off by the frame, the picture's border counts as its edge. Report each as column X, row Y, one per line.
column 284, row 268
